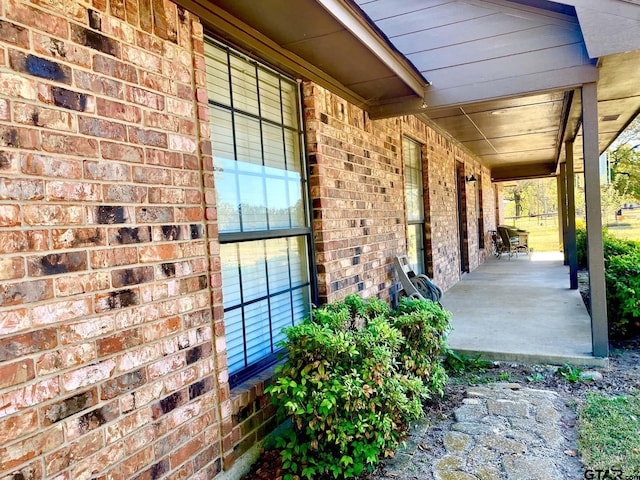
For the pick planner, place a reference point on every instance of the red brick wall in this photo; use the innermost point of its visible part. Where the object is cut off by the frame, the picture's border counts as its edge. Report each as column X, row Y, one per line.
column 112, row 353
column 107, row 366
column 357, row 190
column 357, row 194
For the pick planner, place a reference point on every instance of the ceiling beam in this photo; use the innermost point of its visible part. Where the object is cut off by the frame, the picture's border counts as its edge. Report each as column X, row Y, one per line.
column 539, row 82
column 368, row 36
column 521, row 172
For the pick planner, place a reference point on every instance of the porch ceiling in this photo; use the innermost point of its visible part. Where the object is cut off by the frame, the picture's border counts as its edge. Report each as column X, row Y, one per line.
column 501, row 76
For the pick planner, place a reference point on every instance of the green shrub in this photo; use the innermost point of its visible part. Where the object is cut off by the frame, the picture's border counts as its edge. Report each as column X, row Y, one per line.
column 349, row 386
column 622, row 275
column 581, row 246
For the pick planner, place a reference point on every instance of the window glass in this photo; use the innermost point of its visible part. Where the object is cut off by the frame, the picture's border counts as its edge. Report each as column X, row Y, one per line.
column 259, row 179
column 414, row 201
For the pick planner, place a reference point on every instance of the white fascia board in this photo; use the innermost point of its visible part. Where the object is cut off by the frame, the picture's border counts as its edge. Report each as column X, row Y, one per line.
column 359, row 27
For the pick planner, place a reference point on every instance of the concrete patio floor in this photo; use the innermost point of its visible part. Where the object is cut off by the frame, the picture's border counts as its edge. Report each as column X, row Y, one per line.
column 521, row 310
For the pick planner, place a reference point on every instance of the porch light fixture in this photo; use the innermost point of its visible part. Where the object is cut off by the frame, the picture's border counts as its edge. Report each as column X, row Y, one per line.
column 471, row 179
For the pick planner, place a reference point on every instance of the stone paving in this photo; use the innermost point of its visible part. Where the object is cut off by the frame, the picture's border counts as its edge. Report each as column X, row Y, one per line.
column 500, row 432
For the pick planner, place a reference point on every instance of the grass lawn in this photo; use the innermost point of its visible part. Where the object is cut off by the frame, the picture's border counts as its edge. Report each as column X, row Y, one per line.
column 544, row 237
column 543, row 232
column 609, row 433
column 627, row 226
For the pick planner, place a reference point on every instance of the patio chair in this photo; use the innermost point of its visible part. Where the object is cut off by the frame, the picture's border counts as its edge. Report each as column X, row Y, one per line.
column 415, row 285
column 513, row 240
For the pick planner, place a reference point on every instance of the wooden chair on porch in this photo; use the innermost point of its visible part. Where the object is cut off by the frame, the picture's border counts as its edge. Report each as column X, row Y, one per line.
column 513, row 240
column 415, row 285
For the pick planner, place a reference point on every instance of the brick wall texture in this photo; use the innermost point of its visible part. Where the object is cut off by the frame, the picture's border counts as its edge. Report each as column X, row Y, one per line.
column 112, row 345
column 357, row 192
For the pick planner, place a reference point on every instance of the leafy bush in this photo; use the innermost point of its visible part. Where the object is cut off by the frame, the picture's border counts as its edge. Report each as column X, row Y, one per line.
column 355, row 376
column 622, row 275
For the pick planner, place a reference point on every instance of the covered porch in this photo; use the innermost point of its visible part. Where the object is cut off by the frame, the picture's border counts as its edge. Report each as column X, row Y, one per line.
column 521, row 310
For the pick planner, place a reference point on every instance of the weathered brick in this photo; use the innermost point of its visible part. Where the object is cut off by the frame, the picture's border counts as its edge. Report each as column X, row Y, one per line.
column 48, row 166
column 143, row 136
column 5, row 109
column 94, row 40
column 70, row 145
column 113, row 257
column 16, row 426
column 77, row 237
column 65, row 358
column 19, row 189
column 121, row 152
column 18, row 86
column 53, row 214
column 114, row 68
column 118, row 299
column 145, row 97
column 18, row 137
column 37, row 18
column 33, row 394
column 107, row 171
column 69, row 285
column 18, row 453
column 11, row 268
column 69, row 52
column 167, row 195
column 12, row 241
column 9, row 215
column 151, row 175
column 182, row 143
column 56, row 263
column 98, row 127
column 146, row 60
column 124, row 193
column 61, row 311
column 99, row 84
column 16, row 373
column 128, row 235
column 66, row 407
column 89, row 421
column 14, row 34
column 88, row 375
column 154, row 214
column 118, row 342
column 87, row 329
column 25, row 292
column 118, row 111
column 73, row 191
column 134, row 359
column 66, row 9
column 122, row 384
column 72, row 453
column 39, row 67
column 41, row 117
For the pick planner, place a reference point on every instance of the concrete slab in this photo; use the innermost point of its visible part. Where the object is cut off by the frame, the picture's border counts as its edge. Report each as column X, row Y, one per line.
column 521, row 310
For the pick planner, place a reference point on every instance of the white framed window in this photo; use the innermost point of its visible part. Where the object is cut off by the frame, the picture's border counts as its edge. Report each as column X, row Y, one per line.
column 260, row 181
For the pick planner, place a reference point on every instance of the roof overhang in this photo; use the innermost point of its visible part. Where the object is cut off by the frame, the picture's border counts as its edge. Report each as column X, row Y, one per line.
column 503, row 77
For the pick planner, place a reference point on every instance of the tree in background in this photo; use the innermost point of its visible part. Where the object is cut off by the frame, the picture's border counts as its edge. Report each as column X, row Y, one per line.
column 532, row 197
column 624, row 163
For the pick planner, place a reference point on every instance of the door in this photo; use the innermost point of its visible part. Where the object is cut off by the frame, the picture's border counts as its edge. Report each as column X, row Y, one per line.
column 463, row 233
